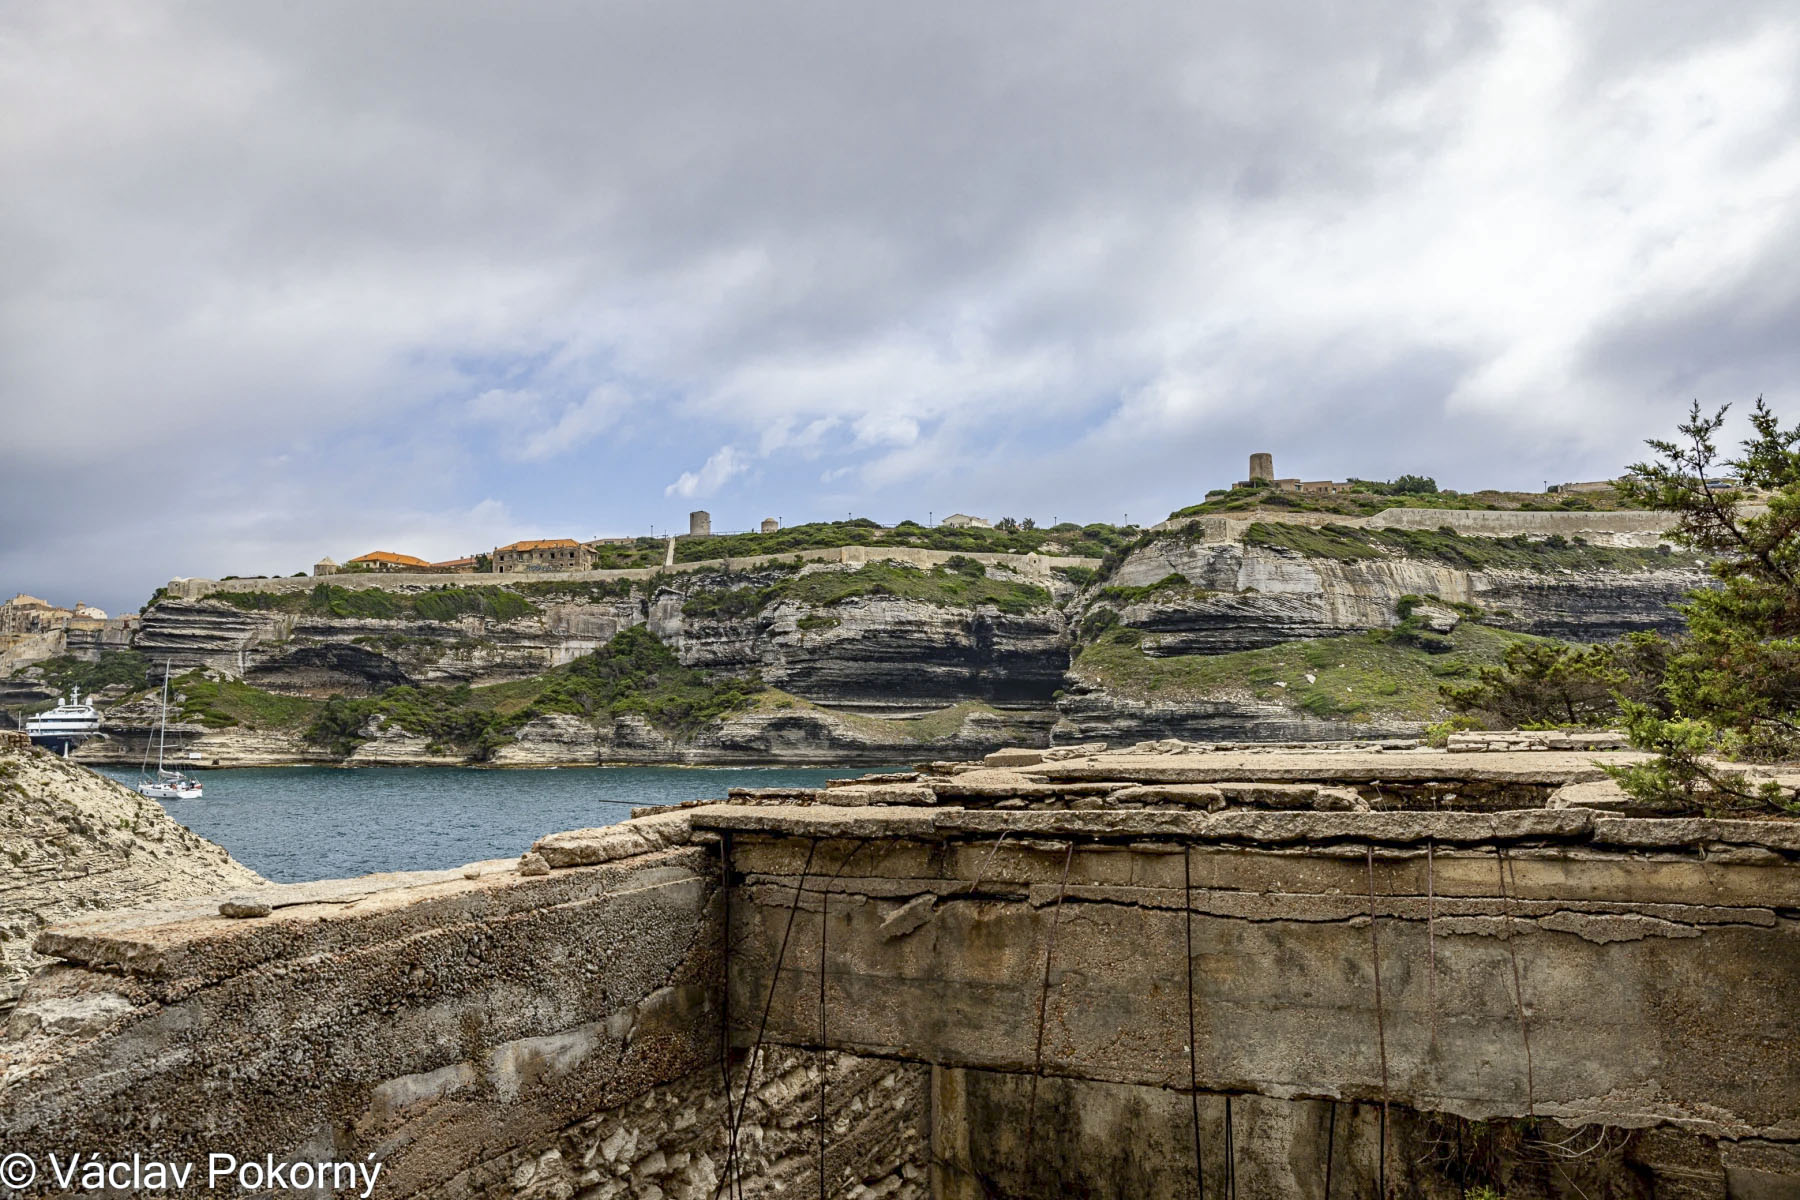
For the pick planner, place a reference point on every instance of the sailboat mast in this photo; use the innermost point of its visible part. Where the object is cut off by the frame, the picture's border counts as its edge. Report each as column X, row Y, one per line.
column 162, row 732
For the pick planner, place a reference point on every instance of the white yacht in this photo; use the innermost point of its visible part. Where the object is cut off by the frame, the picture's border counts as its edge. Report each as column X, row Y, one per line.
column 167, row 785
column 68, row 724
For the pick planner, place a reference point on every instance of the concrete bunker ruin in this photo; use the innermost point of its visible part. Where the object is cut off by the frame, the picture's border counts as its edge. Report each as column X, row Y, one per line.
column 1121, row 975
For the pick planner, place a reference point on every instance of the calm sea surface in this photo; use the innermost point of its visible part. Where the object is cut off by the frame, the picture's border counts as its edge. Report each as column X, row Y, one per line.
column 297, row 823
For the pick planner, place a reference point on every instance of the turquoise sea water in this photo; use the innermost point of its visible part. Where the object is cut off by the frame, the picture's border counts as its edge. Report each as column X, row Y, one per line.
column 297, row 823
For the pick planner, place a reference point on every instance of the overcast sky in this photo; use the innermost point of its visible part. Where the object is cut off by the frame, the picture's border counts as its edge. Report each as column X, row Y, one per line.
column 282, row 280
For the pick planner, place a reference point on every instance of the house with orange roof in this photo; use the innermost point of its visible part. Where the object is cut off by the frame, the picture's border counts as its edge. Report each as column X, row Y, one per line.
column 544, row 554
column 387, row 560
column 456, row 566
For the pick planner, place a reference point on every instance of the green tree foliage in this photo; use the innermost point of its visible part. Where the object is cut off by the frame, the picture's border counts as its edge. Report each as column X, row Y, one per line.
column 116, row 668
column 1732, row 685
column 1414, row 485
column 1547, row 683
column 635, row 673
column 632, row 673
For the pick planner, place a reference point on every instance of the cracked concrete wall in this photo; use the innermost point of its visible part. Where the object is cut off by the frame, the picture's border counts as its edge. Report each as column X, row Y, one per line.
column 1657, row 977
column 438, row 1025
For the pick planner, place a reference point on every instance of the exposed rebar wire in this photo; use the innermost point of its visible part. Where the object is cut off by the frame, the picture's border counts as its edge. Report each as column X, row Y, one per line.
column 1037, row 1058
column 981, row 875
column 1187, row 914
column 1380, row 1024
column 763, row 1026
column 731, row 1123
column 1230, row 1154
column 824, row 1054
column 1330, row 1146
column 1512, row 950
column 1431, row 941
column 1381, row 1161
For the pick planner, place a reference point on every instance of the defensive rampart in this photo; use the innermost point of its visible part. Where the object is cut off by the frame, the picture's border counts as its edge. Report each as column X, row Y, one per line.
column 1031, row 565
column 1620, row 528
column 1113, row 975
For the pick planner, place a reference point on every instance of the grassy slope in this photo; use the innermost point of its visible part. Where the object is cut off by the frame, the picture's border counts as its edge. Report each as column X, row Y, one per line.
column 1356, row 677
column 222, row 704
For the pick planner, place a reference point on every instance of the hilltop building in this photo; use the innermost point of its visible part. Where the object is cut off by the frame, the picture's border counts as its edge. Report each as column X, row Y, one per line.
column 455, row 566
column 326, row 566
column 386, row 561
column 965, row 521
column 1262, row 473
column 32, row 630
column 770, row 525
column 543, row 554
column 27, row 614
column 699, row 523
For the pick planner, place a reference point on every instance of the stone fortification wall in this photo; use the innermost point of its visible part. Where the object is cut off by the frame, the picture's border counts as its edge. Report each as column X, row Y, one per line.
column 1012, row 980
column 1623, row 528
column 1033, row 565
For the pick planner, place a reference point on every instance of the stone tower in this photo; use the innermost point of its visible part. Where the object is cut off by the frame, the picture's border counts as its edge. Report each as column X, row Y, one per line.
column 700, row 523
column 1262, row 466
column 770, row 525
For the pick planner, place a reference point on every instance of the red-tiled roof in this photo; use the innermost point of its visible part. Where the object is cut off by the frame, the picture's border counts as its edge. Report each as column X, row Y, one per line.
column 544, row 544
column 388, row 556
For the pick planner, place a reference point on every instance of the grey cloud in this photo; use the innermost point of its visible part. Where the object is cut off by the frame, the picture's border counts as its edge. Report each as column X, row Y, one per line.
column 1125, row 240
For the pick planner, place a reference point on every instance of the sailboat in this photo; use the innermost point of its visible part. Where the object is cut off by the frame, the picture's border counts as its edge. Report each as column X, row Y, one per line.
column 168, row 785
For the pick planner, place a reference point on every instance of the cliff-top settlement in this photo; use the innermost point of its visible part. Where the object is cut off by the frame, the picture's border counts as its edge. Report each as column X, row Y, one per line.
column 1371, row 970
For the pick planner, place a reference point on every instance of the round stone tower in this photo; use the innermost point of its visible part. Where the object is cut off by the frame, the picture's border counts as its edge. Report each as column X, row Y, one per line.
column 1262, row 466
column 700, row 523
column 770, row 525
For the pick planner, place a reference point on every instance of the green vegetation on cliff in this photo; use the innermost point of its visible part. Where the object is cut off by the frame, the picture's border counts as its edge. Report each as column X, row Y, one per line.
column 1079, row 541
column 958, row 583
column 223, row 703
column 1366, row 502
column 1344, row 543
column 438, row 604
column 1358, row 677
column 633, row 674
column 125, row 669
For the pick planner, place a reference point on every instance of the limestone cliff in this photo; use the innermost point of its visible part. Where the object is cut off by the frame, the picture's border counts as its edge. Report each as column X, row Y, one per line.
column 1242, row 597
column 1196, row 639
column 75, row 842
column 847, row 643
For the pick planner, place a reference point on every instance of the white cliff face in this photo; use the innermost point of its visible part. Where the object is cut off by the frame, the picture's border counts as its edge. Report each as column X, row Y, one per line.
column 1247, row 597
column 875, row 653
column 307, row 654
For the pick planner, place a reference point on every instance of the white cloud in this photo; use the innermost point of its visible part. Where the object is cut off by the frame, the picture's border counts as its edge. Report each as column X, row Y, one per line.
column 724, row 464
